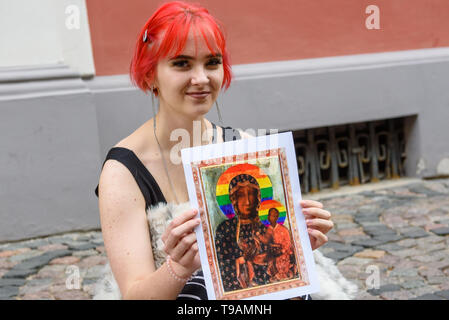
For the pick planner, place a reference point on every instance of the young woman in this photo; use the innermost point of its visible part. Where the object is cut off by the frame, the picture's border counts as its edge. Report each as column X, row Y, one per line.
column 181, row 59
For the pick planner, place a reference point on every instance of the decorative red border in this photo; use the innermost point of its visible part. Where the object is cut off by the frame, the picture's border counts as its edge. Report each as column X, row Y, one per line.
column 302, row 280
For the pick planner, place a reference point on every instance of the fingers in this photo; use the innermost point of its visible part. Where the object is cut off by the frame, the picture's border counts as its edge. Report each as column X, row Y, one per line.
column 190, row 255
column 311, row 203
column 177, row 237
column 321, row 224
column 317, row 213
column 183, row 245
column 318, row 236
column 179, row 220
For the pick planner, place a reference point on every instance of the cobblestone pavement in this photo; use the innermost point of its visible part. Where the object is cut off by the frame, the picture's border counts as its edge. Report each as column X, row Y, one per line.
column 399, row 233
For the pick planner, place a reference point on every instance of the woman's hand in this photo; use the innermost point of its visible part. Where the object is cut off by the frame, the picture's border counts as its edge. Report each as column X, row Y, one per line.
column 180, row 243
column 318, row 222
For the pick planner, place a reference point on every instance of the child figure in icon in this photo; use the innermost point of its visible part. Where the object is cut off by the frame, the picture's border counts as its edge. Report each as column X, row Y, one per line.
column 280, row 255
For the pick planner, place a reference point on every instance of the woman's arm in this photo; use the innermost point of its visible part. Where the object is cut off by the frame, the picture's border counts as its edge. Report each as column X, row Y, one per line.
column 127, row 240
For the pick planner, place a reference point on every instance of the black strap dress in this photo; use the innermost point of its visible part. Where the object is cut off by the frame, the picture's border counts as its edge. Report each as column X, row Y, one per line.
column 195, row 288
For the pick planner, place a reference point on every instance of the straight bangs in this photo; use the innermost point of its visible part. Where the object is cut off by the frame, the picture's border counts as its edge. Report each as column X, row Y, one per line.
column 168, row 36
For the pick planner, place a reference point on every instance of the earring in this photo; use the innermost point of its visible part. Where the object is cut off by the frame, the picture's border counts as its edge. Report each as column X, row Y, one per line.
column 219, row 113
column 152, row 102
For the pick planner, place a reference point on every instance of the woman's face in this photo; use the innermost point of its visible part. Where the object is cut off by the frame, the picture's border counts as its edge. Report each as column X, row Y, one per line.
column 189, row 84
column 246, row 201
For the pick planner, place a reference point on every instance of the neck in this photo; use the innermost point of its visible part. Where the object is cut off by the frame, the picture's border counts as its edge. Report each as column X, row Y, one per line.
column 248, row 220
column 191, row 130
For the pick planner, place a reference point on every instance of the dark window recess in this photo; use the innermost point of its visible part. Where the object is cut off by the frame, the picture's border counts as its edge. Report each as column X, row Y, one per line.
column 350, row 154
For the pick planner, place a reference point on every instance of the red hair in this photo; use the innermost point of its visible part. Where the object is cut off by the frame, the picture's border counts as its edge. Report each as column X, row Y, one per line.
column 167, row 30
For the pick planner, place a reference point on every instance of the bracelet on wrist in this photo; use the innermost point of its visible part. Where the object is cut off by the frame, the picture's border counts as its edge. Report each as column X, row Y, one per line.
column 173, row 273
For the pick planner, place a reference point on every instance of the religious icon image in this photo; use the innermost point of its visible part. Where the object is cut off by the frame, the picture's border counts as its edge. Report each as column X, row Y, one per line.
column 249, row 227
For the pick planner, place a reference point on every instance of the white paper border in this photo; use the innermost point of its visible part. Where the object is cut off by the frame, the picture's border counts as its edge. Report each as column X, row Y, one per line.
column 255, row 144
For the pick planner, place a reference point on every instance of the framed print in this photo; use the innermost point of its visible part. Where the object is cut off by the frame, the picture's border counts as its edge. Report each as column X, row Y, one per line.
column 252, row 240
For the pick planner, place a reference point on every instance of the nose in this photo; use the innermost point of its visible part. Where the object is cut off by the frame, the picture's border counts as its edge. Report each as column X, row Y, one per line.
column 199, row 76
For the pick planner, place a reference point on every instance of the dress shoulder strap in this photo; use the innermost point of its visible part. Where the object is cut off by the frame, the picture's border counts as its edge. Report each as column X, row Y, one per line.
column 146, row 182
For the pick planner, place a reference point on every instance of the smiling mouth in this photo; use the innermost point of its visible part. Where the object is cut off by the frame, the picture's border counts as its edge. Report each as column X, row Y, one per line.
column 199, row 95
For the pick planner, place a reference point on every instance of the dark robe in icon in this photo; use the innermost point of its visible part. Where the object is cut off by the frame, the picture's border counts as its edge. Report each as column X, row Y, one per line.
column 229, row 251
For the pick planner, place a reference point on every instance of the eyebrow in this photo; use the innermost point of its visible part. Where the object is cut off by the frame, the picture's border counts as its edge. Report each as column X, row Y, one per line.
column 192, row 58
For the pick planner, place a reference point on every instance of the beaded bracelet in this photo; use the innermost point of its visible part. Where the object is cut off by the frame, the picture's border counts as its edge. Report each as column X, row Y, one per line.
column 172, row 273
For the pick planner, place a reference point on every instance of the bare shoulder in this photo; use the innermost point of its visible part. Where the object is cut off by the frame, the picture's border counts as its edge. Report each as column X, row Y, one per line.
column 124, row 225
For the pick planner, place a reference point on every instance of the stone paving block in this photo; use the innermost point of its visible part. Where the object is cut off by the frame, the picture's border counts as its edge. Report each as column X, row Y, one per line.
column 428, row 296
column 355, row 261
column 429, row 271
column 83, row 238
column 42, row 260
column 13, row 246
column 408, row 273
column 92, row 261
column 338, row 255
column 422, row 290
column 8, row 292
column 33, row 244
column 390, row 247
column 396, row 295
column 40, row 295
column 389, row 259
column 11, row 253
column 420, row 189
column 378, row 230
column 52, row 271
column 58, row 240
column 351, row 232
column 444, row 294
column 65, row 260
column 407, row 243
column 25, row 256
column 344, row 226
column 72, row 295
column 413, row 284
column 365, row 218
column 430, row 226
column 342, row 218
column 441, row 231
column 11, row 282
column 426, row 258
column 385, row 238
column 444, row 286
column 84, row 253
column 368, row 243
column 53, row 246
column 19, row 273
column 368, row 253
column 407, row 253
column 98, row 242
column 415, row 232
column 443, row 264
column 384, row 288
column 35, row 286
column 81, row 246
column 436, row 280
